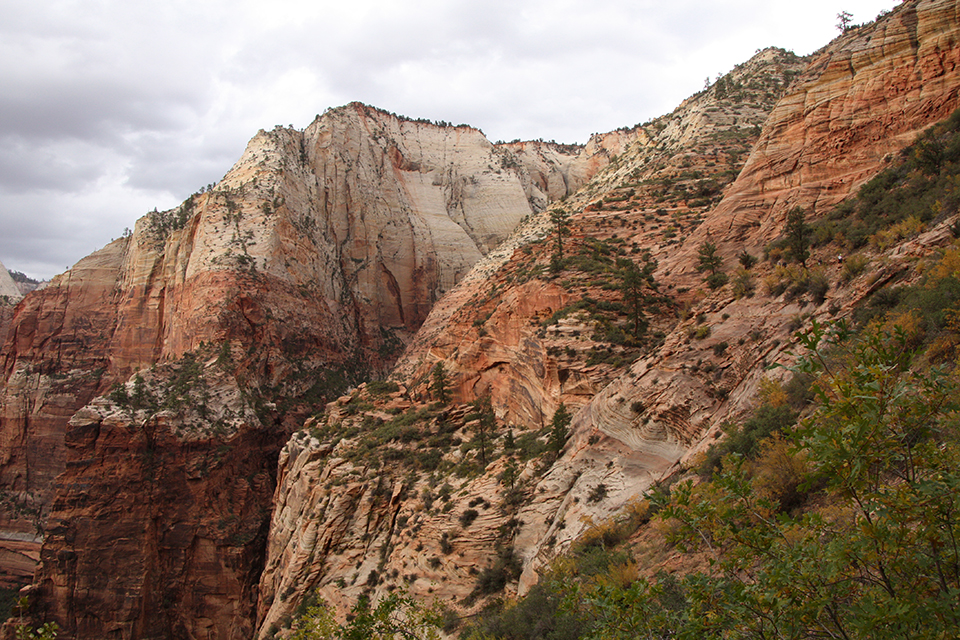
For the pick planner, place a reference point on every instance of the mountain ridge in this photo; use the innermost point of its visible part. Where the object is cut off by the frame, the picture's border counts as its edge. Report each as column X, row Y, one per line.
column 117, row 373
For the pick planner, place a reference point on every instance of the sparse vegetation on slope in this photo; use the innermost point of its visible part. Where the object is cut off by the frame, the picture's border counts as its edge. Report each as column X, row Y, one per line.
column 831, row 511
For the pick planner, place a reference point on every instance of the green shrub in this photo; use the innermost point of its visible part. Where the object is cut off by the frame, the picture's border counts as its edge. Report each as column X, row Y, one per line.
column 853, row 267
column 505, row 569
column 467, row 517
column 744, row 439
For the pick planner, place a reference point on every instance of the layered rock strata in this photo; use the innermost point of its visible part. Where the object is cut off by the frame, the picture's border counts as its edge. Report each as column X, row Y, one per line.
column 307, row 267
column 862, row 98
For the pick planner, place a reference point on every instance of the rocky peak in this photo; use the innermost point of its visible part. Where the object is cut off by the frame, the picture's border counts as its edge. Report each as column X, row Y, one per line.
column 306, row 268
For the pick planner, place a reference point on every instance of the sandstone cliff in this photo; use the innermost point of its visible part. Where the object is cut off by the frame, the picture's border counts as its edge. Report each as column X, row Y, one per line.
column 8, row 288
column 147, row 392
column 306, row 268
column 347, row 522
column 530, row 338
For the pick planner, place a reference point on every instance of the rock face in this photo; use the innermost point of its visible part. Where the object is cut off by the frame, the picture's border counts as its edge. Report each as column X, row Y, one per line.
column 488, row 330
column 512, row 331
column 147, row 392
column 862, row 99
column 307, row 267
column 341, row 517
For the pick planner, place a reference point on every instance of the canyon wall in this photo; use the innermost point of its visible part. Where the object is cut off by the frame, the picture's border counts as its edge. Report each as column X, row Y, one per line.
column 718, row 169
column 149, row 394
column 302, row 271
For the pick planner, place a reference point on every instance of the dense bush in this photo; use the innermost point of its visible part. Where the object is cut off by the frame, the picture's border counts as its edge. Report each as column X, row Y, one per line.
column 878, row 563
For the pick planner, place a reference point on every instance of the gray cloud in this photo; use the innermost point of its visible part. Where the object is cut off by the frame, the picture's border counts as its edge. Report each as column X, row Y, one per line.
column 111, row 108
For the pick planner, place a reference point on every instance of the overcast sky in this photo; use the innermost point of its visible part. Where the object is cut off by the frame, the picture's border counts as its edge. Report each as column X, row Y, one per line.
column 109, row 108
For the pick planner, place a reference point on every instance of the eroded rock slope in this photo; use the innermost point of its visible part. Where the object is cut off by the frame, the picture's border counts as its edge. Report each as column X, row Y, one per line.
column 718, row 170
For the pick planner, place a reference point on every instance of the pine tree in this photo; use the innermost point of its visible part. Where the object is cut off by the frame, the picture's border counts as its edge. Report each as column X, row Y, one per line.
column 439, row 385
column 798, row 233
column 486, row 425
column 561, row 227
column 633, row 281
column 559, row 431
column 709, row 261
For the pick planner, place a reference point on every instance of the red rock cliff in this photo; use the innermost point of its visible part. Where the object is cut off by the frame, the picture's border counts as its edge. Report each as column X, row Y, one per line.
column 310, row 263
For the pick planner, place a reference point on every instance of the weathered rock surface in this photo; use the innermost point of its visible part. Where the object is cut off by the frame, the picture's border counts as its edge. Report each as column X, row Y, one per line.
column 863, row 97
column 490, row 334
column 328, row 249
column 308, row 265
column 488, row 330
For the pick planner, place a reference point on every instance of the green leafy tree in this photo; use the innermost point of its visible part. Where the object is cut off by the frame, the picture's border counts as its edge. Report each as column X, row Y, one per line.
column 560, row 220
column 882, row 562
column 439, row 384
column 46, row 631
column 798, row 236
column 396, row 617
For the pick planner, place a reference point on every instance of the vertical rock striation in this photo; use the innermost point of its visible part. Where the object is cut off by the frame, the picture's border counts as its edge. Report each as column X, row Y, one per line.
column 308, row 266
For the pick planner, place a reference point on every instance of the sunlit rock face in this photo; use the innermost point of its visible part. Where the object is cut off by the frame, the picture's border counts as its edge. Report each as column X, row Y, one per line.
column 320, row 250
column 159, row 508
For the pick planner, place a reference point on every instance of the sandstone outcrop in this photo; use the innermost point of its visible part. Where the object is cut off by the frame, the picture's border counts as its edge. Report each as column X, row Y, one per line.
column 8, row 288
column 494, row 335
column 861, row 99
column 307, row 267
column 149, row 392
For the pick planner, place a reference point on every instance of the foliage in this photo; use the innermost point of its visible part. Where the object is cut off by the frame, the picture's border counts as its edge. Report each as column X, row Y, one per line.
column 486, row 425
column 467, row 517
column 505, row 569
column 798, row 236
column 881, row 562
column 853, row 266
column 539, row 615
column 707, row 258
column 46, row 631
column 920, row 184
column 743, row 285
column 395, row 616
column 382, row 387
column 931, row 304
column 716, row 280
column 743, row 440
column 560, row 220
column 795, row 281
column 439, row 384
column 633, row 282
column 559, row 429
